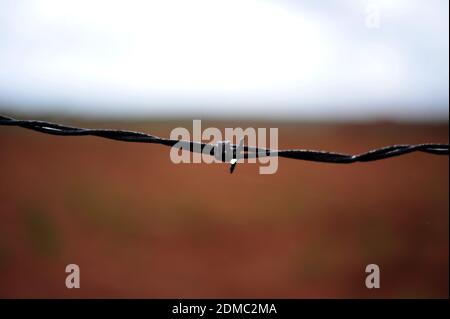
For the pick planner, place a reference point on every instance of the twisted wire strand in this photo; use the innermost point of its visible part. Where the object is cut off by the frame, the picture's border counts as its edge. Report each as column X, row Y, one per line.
column 238, row 152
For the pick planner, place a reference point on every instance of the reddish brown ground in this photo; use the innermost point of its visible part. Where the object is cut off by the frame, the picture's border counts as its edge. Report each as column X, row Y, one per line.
column 140, row 226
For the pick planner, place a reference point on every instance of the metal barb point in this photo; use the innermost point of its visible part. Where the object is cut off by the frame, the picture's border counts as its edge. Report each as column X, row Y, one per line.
column 233, row 163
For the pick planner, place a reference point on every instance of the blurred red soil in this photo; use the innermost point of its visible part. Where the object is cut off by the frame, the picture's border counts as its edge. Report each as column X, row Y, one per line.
column 140, row 226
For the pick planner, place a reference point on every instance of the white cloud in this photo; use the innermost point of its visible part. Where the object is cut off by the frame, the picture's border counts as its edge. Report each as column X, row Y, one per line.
column 246, row 55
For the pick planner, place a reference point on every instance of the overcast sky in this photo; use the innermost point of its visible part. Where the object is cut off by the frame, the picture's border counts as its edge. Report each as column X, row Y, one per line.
column 332, row 59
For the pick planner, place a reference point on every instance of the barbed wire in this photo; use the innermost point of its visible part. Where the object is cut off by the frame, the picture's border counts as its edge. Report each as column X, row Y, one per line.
column 224, row 150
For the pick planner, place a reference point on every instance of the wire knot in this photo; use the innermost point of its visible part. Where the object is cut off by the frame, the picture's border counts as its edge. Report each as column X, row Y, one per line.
column 228, row 153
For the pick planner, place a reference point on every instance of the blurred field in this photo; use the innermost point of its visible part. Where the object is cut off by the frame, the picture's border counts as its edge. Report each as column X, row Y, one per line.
column 140, row 226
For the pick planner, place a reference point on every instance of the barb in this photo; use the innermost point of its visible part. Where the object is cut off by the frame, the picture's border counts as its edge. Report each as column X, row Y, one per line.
column 230, row 151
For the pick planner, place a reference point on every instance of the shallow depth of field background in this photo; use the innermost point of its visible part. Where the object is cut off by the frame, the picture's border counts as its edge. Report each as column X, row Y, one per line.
column 140, row 226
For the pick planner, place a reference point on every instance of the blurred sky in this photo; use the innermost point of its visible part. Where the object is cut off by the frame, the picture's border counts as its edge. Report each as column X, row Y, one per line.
column 306, row 59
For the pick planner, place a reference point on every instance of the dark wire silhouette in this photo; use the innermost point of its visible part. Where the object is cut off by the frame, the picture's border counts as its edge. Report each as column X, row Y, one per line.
column 226, row 152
